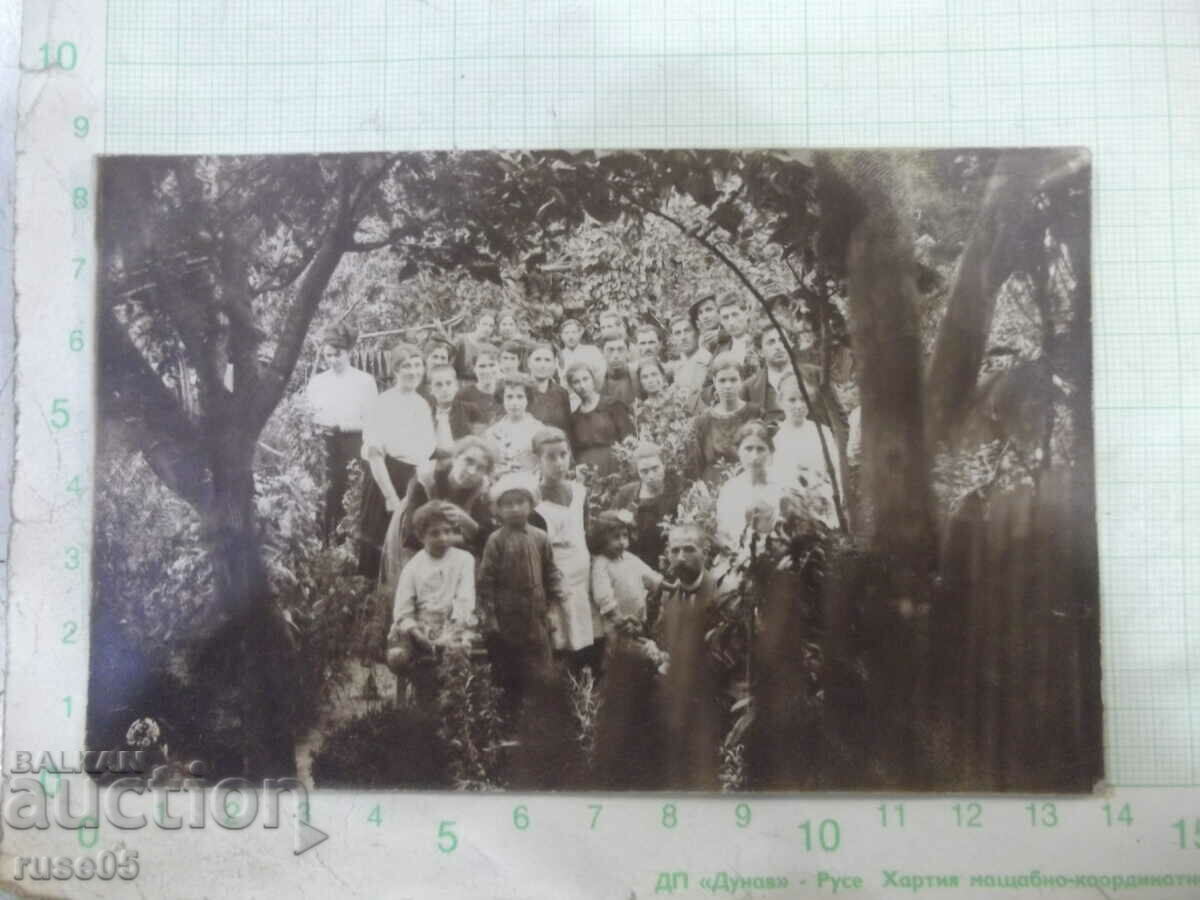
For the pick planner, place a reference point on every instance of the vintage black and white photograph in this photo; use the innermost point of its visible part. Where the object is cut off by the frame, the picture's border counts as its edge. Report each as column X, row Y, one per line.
column 678, row 470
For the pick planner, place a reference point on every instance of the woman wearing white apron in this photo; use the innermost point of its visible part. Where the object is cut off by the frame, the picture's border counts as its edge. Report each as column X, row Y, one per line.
column 561, row 507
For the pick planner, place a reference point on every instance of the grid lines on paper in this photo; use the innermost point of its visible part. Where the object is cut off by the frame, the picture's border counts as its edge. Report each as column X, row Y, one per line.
column 265, row 76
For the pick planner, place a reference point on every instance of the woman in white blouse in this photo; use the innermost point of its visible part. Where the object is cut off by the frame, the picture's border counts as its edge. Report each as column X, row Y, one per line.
column 513, row 432
column 398, row 436
column 750, row 500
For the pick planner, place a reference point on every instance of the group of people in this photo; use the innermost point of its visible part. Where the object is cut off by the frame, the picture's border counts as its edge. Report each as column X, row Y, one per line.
column 474, row 519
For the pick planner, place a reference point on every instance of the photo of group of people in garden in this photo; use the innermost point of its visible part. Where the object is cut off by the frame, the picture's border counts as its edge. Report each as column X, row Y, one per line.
column 516, row 500
column 674, row 469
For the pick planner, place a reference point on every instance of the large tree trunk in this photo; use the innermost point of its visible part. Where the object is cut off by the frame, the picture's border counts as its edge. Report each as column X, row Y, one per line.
column 877, row 608
column 887, row 343
column 248, row 660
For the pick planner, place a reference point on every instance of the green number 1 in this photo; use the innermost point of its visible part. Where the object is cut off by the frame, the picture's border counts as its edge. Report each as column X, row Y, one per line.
column 1182, row 827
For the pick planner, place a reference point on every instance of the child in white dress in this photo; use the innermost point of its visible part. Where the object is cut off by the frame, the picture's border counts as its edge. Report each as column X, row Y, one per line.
column 561, row 506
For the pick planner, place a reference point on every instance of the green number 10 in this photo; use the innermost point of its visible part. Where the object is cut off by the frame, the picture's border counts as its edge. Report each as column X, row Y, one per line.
column 65, row 55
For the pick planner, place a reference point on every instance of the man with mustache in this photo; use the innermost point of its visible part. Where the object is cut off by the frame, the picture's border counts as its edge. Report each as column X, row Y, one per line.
column 690, row 711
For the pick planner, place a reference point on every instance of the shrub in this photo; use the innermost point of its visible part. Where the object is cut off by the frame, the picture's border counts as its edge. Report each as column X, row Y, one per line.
column 469, row 722
column 393, row 746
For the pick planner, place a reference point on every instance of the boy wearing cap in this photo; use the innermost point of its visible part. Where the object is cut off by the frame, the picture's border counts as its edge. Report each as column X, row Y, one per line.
column 434, row 604
column 338, row 400
column 519, row 583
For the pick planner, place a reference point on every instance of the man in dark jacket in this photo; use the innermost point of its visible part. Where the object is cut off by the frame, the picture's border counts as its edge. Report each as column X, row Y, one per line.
column 620, row 384
column 763, row 387
column 691, row 708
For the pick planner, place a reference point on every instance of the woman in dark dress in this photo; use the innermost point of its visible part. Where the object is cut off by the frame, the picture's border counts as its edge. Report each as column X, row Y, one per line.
column 461, row 480
column 597, row 424
column 713, row 441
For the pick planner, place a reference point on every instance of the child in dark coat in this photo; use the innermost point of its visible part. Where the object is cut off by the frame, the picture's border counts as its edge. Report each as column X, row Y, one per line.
column 518, row 584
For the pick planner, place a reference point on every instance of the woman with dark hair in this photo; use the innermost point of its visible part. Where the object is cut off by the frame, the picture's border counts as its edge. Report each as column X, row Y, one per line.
column 597, row 424
column 551, row 403
column 651, row 377
column 514, row 431
column 751, row 499
column 713, row 440
column 512, row 357
column 398, row 436
column 460, row 479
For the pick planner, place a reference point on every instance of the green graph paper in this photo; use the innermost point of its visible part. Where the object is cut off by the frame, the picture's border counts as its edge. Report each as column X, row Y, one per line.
column 263, row 76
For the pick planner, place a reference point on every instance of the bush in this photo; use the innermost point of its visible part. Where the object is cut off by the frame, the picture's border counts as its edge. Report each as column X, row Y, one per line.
column 150, row 564
column 393, row 746
column 470, row 726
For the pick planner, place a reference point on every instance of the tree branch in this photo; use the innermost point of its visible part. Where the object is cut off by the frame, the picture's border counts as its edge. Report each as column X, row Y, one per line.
column 175, row 291
column 312, row 286
column 307, row 253
column 353, row 246
column 987, row 261
column 244, row 336
column 369, row 182
column 136, row 397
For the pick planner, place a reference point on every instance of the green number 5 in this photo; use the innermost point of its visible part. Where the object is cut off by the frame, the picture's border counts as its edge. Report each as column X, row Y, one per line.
column 60, row 417
column 447, row 839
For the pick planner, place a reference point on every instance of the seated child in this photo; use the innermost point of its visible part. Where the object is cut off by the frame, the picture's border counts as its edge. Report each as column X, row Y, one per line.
column 434, row 604
column 519, row 583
